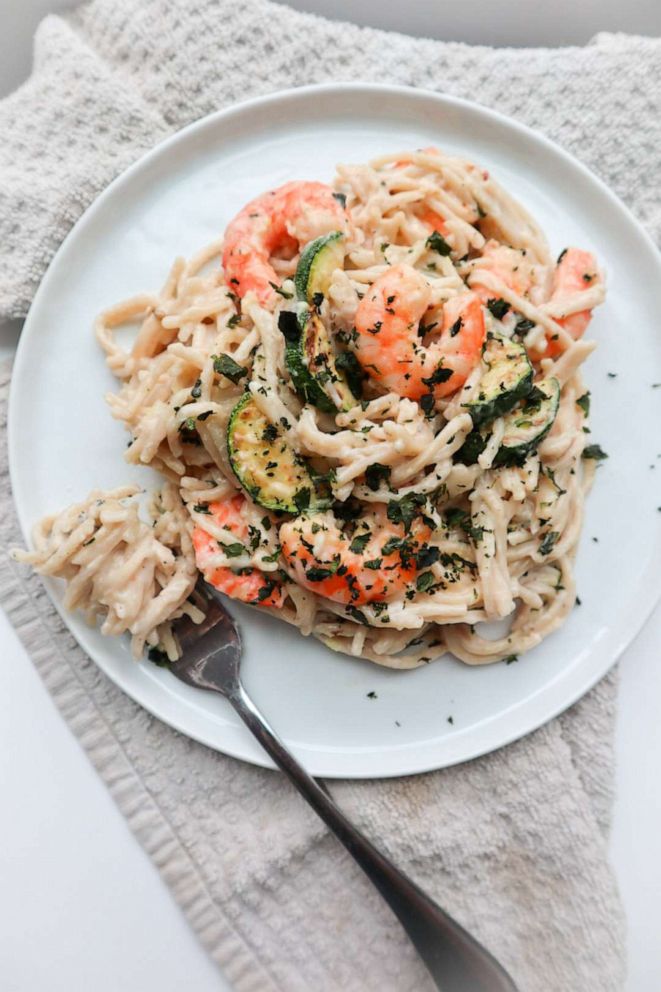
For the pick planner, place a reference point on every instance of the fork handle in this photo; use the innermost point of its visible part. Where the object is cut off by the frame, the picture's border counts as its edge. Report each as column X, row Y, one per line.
column 456, row 961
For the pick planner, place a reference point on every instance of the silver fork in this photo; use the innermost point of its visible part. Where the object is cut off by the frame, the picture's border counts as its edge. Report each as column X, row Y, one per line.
column 211, row 659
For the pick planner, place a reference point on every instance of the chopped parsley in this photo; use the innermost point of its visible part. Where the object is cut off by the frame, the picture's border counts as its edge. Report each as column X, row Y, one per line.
column 234, row 550
column 360, row 542
column 266, row 590
column 436, row 242
column 357, row 614
column 402, row 511
column 595, row 452
column 425, row 581
column 225, row 365
column 550, row 538
column 428, row 404
column 498, row 307
column 375, row 473
column 302, row 498
column 318, row 574
column 584, row 403
column 392, row 544
column 461, row 518
column 438, row 375
column 427, row 556
column 270, row 433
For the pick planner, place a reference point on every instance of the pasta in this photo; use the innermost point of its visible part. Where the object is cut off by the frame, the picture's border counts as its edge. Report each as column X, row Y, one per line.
column 366, row 406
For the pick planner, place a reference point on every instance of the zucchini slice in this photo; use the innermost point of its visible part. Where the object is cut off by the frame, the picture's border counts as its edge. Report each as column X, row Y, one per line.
column 318, row 261
column 529, row 423
column 311, row 363
column 524, row 428
column 310, row 355
column 266, row 465
column 508, row 378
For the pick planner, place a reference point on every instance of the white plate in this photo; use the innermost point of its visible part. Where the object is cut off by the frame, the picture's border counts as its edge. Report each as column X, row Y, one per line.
column 63, row 441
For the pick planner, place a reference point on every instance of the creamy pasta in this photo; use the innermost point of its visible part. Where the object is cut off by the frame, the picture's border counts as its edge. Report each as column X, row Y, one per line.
column 366, row 406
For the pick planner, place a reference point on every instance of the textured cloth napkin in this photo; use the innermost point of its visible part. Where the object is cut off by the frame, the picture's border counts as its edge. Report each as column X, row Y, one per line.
column 514, row 844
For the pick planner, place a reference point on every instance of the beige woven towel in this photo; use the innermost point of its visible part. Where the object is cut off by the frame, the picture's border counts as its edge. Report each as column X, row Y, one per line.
column 513, row 844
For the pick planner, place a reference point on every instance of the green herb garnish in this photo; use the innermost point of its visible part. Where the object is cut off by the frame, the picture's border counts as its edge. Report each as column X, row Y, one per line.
column 595, row 452
column 548, row 542
column 498, row 307
column 425, row 581
column 584, row 403
column 375, row 473
column 225, row 365
column 436, row 242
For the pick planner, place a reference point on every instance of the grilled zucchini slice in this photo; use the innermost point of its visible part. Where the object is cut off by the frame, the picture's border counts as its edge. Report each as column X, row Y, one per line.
column 529, row 423
column 508, row 379
column 310, row 355
column 318, row 261
column 266, row 465
column 525, row 427
column 311, row 361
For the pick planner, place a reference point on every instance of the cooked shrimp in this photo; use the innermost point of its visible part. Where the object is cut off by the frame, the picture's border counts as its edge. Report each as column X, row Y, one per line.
column 280, row 220
column 352, row 570
column 575, row 272
column 389, row 347
column 508, row 265
column 248, row 585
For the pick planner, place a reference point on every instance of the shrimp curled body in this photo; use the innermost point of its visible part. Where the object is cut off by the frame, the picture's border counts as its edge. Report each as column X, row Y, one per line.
column 389, row 346
column 280, row 220
column 249, row 585
column 375, row 563
column 577, row 270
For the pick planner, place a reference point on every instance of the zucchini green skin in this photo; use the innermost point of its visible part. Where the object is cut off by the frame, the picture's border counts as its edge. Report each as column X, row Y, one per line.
column 507, row 380
column 310, row 359
column 524, row 428
column 318, row 261
column 311, row 364
column 267, row 466
column 529, row 424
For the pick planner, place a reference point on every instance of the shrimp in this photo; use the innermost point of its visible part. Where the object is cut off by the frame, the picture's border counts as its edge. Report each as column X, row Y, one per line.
column 247, row 585
column 509, row 265
column 375, row 563
column 282, row 219
column 388, row 345
column 575, row 272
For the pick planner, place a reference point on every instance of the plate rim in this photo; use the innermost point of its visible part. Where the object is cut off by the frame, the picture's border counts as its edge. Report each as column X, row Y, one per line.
column 537, row 709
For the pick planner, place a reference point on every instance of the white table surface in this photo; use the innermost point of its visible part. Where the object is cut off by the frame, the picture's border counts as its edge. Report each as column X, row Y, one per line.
column 81, row 906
